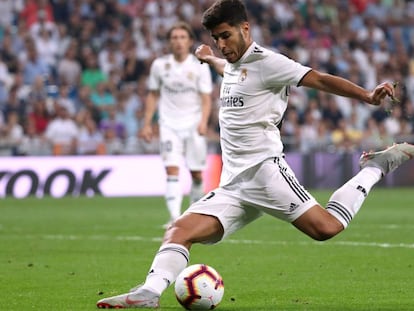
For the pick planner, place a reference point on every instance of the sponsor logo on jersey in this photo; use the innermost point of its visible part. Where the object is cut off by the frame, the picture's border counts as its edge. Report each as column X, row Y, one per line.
column 179, row 89
column 232, row 101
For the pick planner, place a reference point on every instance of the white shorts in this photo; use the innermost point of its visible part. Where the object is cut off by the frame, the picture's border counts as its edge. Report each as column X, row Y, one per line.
column 269, row 187
column 185, row 144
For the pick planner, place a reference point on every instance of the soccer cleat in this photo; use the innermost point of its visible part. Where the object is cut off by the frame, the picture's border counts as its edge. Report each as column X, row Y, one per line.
column 389, row 159
column 140, row 298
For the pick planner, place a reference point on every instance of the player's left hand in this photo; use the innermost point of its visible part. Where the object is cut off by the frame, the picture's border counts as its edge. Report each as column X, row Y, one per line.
column 382, row 91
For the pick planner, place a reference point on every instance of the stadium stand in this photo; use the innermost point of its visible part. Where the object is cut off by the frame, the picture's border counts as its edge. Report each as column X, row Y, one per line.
column 89, row 60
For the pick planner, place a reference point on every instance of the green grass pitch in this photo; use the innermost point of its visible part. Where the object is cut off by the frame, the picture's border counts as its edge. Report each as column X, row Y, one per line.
column 65, row 254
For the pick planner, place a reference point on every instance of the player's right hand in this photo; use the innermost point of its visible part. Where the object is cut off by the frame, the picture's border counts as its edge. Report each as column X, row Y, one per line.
column 203, row 53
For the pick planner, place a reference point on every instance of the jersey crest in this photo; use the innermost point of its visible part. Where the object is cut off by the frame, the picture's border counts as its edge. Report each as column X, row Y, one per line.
column 190, row 76
column 243, row 75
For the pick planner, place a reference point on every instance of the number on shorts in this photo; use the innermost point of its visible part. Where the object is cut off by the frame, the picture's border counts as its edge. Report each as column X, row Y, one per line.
column 209, row 196
column 166, row 146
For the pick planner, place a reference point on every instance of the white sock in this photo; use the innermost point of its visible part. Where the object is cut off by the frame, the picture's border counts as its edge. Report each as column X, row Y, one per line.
column 197, row 191
column 347, row 200
column 174, row 196
column 169, row 261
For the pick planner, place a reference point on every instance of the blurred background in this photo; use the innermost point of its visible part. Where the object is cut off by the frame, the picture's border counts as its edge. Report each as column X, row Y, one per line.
column 73, row 77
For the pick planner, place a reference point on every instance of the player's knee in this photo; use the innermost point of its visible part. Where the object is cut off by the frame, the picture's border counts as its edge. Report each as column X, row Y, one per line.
column 197, row 176
column 181, row 231
column 326, row 231
column 177, row 232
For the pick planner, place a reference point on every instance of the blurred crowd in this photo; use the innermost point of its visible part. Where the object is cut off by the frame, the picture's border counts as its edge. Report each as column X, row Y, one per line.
column 73, row 73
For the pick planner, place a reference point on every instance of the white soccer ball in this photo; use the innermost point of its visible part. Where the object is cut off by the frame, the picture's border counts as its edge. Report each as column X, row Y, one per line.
column 199, row 287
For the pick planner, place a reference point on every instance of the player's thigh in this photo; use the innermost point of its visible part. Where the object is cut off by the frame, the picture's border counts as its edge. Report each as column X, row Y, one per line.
column 273, row 188
column 227, row 208
column 196, row 151
column 171, row 146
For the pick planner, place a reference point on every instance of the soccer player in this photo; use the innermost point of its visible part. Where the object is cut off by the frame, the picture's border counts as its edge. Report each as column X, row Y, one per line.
column 181, row 87
column 256, row 178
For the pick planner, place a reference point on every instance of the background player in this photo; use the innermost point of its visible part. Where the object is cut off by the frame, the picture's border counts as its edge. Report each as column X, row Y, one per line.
column 181, row 87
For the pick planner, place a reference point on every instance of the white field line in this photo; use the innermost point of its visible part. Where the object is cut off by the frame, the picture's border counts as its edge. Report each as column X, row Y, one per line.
column 229, row 241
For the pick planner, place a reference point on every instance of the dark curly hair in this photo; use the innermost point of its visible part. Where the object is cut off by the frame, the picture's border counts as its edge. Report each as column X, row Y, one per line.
column 232, row 12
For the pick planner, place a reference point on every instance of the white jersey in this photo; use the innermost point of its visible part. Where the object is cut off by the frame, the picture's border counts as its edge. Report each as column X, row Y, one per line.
column 253, row 98
column 180, row 85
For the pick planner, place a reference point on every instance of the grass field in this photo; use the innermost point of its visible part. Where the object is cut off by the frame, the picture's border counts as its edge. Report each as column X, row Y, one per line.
column 65, row 254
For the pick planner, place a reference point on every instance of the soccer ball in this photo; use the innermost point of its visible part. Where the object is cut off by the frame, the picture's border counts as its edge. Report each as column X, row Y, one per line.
column 199, row 287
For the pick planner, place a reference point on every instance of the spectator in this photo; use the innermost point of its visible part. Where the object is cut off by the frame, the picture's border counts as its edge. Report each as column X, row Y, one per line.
column 92, row 75
column 133, row 68
column 43, row 23
column 8, row 53
column 35, row 10
column 290, row 129
column 11, row 134
column 103, row 99
column 14, row 104
column 64, row 99
column 62, row 133
column 39, row 116
column 5, row 80
column 392, row 123
column 130, row 109
column 32, row 143
column 112, row 122
column 69, row 69
column 110, row 58
column 84, row 103
column 91, row 140
column 34, row 66
column 113, row 144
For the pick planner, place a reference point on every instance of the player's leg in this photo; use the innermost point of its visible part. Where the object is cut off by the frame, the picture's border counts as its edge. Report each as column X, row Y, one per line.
column 207, row 221
column 345, row 202
column 171, row 153
column 171, row 258
column 196, row 159
column 173, row 193
column 197, row 186
column 322, row 224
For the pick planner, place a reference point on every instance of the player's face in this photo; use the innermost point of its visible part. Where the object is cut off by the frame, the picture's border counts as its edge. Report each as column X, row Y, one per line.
column 232, row 41
column 180, row 42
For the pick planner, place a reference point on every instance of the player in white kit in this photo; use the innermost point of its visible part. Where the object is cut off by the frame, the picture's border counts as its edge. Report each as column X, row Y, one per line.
column 181, row 87
column 255, row 178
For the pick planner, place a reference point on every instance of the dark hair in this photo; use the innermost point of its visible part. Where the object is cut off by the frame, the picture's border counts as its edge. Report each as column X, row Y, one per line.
column 232, row 12
column 181, row 25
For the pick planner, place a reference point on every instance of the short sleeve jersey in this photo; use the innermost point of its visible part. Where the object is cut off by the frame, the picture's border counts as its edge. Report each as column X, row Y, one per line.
column 253, row 98
column 180, row 86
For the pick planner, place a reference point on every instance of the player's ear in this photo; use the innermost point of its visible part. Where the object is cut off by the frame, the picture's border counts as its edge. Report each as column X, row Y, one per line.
column 245, row 30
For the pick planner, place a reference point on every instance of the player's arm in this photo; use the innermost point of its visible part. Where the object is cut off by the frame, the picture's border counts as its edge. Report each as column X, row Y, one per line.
column 205, row 54
column 150, row 107
column 343, row 87
column 205, row 113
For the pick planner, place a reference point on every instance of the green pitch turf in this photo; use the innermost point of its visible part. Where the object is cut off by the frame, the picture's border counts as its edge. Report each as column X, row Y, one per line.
column 65, row 254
